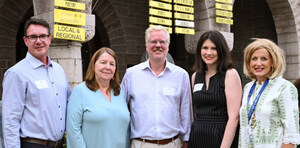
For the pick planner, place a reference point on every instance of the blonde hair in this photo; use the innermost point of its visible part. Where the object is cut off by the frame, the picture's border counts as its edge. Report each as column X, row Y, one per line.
column 277, row 56
column 156, row 28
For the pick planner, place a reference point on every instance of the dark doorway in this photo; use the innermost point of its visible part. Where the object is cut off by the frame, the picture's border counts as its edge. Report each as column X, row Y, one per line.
column 89, row 48
column 252, row 19
column 21, row 48
column 181, row 57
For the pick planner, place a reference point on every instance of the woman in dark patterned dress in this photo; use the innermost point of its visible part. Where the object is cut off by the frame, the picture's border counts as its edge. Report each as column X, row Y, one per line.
column 217, row 94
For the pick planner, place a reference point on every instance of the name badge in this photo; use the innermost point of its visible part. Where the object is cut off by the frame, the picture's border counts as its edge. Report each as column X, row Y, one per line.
column 41, row 84
column 198, row 87
column 168, row 91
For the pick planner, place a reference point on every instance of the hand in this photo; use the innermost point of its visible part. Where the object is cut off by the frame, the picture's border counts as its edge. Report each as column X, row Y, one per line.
column 287, row 145
column 184, row 144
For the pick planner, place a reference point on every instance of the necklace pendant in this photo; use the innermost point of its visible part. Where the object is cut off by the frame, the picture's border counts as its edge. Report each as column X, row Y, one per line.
column 253, row 121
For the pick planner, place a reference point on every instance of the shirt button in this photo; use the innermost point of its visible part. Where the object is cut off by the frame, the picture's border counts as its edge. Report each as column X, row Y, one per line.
column 60, row 118
column 61, row 131
column 52, row 82
column 57, row 94
column 58, row 106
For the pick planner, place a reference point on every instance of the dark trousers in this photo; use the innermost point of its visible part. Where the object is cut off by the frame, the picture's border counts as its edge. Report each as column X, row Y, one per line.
column 33, row 145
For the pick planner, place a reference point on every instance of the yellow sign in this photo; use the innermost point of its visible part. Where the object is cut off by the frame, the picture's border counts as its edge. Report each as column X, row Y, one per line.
column 224, row 1
column 69, row 4
column 69, row 17
column 183, row 9
column 224, row 13
column 224, row 7
column 184, row 23
column 184, row 2
column 160, row 5
column 184, row 30
column 169, row 1
column 68, row 32
column 161, row 21
column 183, row 16
column 224, row 20
column 169, row 29
column 157, row 12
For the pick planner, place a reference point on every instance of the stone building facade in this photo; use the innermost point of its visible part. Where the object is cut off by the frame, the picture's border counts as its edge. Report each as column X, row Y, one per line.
column 120, row 25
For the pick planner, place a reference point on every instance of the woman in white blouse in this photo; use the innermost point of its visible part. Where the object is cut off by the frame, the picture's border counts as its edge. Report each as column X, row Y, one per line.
column 269, row 115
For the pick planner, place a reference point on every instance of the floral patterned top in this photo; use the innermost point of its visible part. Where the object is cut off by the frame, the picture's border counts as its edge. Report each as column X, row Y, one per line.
column 275, row 119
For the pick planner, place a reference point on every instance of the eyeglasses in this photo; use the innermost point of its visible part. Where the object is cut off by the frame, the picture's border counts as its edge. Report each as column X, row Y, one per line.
column 154, row 42
column 42, row 37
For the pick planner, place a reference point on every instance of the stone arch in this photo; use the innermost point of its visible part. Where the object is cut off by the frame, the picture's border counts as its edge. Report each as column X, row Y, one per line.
column 99, row 40
column 21, row 48
column 286, row 25
column 125, row 24
column 11, row 15
column 113, row 26
column 252, row 19
column 288, row 35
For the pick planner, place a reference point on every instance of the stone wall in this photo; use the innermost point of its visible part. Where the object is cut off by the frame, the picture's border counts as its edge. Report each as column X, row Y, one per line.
column 277, row 20
column 125, row 23
column 11, row 14
column 286, row 16
column 252, row 19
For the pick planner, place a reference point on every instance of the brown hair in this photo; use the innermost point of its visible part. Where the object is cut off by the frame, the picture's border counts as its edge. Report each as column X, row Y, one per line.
column 36, row 22
column 224, row 57
column 90, row 80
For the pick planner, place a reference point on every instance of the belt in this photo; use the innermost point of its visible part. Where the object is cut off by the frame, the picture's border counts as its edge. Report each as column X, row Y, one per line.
column 164, row 141
column 54, row 144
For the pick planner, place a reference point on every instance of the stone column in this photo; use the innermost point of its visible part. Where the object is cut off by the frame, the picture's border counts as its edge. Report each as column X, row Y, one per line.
column 66, row 53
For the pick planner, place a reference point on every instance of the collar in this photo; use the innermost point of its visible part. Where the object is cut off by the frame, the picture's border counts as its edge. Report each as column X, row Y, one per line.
column 35, row 63
column 146, row 64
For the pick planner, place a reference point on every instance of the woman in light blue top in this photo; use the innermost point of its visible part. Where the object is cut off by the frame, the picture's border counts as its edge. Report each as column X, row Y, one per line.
column 97, row 114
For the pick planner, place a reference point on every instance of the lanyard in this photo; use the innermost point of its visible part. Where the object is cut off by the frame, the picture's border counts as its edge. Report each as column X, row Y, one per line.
column 256, row 98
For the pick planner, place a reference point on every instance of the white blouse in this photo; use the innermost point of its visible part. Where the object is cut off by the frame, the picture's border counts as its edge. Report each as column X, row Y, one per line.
column 275, row 119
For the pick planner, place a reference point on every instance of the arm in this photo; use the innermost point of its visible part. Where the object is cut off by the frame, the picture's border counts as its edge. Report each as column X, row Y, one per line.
column 124, row 86
column 68, row 90
column 74, row 120
column 233, row 92
column 13, row 102
column 186, row 114
column 193, row 80
column 289, row 115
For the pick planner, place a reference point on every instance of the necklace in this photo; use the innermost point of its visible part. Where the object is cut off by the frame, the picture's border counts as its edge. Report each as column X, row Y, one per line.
column 250, row 113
